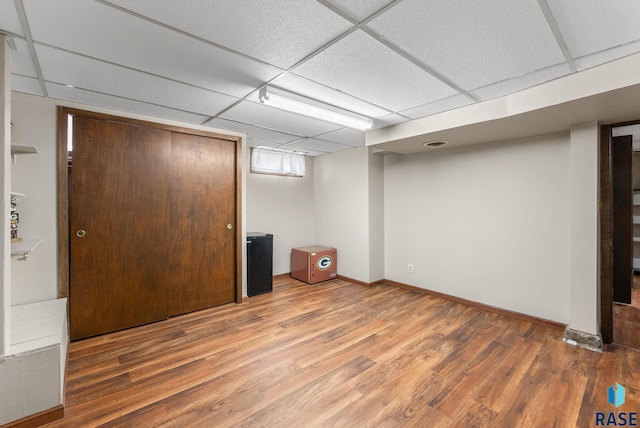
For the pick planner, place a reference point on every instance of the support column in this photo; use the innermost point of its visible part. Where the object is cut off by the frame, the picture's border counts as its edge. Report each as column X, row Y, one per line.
column 583, row 327
column 5, row 192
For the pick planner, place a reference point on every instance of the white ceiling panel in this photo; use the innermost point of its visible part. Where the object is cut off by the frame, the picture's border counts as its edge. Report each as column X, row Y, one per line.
column 589, row 26
column 119, row 37
column 120, row 104
column 85, row 73
column 361, row 66
column 325, row 94
column 21, row 62
column 267, row 136
column 359, row 9
column 279, row 32
column 473, row 43
column 608, row 55
column 450, row 103
column 278, row 120
column 9, row 21
column 348, row 137
column 519, row 83
column 318, row 146
column 28, row 85
column 392, row 119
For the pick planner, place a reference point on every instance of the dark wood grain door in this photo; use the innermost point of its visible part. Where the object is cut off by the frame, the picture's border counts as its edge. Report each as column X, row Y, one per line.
column 119, row 223
column 203, row 229
column 622, row 213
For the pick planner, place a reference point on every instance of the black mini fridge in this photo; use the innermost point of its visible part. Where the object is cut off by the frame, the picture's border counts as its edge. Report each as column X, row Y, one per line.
column 259, row 263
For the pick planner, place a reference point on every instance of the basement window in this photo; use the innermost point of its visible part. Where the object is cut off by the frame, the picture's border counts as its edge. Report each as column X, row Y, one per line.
column 265, row 160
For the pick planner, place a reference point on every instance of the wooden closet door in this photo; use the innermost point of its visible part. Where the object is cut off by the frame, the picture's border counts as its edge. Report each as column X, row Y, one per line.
column 119, row 222
column 203, row 229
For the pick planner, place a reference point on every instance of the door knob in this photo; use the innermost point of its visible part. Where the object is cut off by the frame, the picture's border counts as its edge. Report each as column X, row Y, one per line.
column 229, row 226
column 81, row 233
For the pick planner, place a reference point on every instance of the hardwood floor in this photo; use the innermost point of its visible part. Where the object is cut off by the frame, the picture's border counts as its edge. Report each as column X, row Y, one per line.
column 337, row 354
column 626, row 319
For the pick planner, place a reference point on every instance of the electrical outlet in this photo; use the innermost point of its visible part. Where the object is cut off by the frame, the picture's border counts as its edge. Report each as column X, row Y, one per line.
column 410, row 268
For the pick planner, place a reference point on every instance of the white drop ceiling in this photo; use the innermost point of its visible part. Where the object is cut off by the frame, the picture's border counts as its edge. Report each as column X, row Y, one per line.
column 203, row 62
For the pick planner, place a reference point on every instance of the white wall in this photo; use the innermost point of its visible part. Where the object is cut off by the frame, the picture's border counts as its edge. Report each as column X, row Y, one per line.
column 488, row 223
column 376, row 217
column 34, row 123
column 344, row 199
column 585, row 274
column 282, row 206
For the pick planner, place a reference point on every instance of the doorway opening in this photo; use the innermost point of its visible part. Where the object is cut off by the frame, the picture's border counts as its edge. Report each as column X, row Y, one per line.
column 620, row 233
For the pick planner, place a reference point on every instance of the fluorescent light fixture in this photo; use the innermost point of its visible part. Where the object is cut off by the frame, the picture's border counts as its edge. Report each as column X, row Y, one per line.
column 294, row 106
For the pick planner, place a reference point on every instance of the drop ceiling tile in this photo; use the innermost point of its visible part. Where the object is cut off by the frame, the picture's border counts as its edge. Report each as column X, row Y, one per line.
column 608, row 55
column 314, row 90
column 21, row 62
column 277, row 120
column 450, row 103
column 9, row 20
column 28, row 85
column 360, row 9
column 318, row 146
column 80, row 96
column 519, row 83
column 344, row 136
column 590, row 26
column 364, row 68
column 472, row 43
column 279, row 32
column 86, row 73
column 392, row 119
column 254, row 132
column 119, row 37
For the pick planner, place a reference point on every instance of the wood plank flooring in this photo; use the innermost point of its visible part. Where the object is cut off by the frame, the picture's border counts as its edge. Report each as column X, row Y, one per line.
column 626, row 319
column 337, row 354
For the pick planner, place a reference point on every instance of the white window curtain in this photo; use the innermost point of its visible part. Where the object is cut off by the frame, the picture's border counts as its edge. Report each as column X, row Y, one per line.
column 269, row 161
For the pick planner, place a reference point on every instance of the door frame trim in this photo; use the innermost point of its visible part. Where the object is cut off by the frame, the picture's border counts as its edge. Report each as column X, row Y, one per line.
column 605, row 196
column 63, row 189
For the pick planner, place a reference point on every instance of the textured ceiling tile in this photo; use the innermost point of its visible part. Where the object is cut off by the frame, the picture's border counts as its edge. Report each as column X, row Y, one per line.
column 450, row 103
column 522, row 82
column 279, row 32
column 318, row 145
column 392, row 119
column 120, row 104
column 608, row 55
column 344, row 136
column 115, row 36
column 473, row 43
column 325, row 94
column 9, row 21
column 360, row 9
column 21, row 62
column 589, row 26
column 28, row 85
column 266, row 136
column 85, row 73
column 277, row 120
column 361, row 66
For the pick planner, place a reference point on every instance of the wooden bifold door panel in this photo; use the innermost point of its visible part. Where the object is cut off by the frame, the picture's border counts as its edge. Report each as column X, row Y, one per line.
column 152, row 225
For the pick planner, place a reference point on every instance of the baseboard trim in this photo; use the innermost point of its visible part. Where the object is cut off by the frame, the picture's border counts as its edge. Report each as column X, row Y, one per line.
column 588, row 341
column 38, row 419
column 477, row 305
column 364, row 284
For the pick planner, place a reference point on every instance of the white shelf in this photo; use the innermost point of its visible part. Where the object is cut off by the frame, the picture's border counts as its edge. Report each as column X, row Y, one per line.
column 17, row 194
column 19, row 149
column 24, row 248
